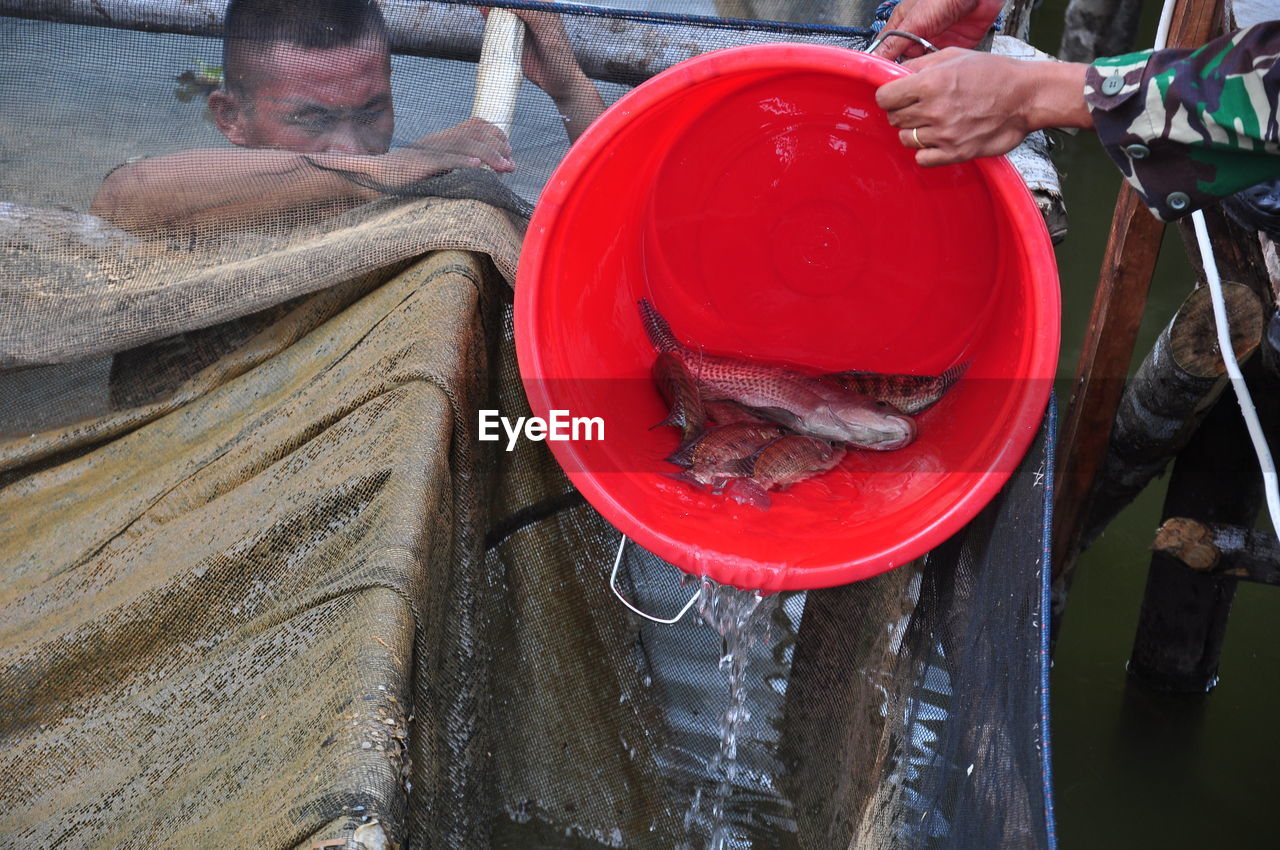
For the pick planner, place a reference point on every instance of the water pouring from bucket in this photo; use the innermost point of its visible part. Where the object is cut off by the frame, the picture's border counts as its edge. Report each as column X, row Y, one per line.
column 759, row 200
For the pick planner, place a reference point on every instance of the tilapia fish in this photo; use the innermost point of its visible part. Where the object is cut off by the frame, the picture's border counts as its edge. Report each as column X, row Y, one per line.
column 909, row 393
column 783, row 462
column 680, row 391
column 802, row 403
column 725, row 412
column 714, row 457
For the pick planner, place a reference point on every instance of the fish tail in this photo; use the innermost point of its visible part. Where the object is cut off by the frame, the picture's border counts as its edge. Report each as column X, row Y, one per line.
column 953, row 374
column 687, row 476
column 656, row 327
column 683, row 456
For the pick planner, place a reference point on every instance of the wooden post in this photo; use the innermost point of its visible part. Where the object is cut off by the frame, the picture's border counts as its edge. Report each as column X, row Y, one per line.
column 1093, row 28
column 1235, row 248
column 1231, row 550
column 1184, row 614
column 1171, row 392
column 1113, row 327
column 1017, row 18
column 1217, row 481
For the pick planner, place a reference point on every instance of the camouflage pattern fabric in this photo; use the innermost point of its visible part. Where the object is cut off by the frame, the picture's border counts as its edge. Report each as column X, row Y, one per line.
column 1188, row 127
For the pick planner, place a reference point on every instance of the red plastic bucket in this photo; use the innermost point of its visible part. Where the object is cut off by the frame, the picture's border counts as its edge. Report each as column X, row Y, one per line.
column 759, row 198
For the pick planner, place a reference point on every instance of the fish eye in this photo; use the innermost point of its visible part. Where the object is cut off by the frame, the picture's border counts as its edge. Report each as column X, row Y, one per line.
column 882, row 404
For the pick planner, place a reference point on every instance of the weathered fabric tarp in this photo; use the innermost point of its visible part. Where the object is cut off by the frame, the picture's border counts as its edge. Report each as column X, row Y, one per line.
column 209, row 622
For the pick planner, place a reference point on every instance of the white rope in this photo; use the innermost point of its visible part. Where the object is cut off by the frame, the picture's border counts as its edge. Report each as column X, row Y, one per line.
column 1265, row 462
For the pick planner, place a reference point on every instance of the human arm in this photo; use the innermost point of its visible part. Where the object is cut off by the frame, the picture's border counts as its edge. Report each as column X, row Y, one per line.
column 943, row 23
column 1183, row 126
column 221, row 189
column 963, row 104
column 549, row 64
column 1187, row 127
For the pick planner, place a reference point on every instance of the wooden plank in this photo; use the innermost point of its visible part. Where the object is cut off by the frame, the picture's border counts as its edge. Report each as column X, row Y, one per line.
column 1118, row 305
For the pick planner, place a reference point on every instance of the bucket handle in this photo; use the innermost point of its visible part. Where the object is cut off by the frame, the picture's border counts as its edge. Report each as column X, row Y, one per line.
column 613, row 585
column 879, row 39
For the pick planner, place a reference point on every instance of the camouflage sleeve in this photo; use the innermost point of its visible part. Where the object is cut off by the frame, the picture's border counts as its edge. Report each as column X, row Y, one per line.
column 1187, row 127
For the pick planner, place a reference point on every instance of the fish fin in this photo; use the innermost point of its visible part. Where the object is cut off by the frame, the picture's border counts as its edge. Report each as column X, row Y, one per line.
column 656, row 327
column 779, row 415
column 683, row 456
column 745, row 491
column 674, row 419
column 686, row 476
column 741, row 467
column 945, row 381
column 955, row 373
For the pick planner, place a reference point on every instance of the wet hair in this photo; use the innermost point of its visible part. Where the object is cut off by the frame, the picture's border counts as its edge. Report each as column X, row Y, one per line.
column 311, row 24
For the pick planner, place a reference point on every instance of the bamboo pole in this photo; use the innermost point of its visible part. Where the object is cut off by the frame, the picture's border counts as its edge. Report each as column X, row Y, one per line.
column 1132, row 249
column 608, row 49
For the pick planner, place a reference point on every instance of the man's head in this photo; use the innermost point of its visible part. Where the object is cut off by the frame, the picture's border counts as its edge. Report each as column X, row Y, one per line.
column 306, row 76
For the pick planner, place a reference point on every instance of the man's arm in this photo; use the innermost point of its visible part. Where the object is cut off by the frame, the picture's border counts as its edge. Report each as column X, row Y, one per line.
column 1185, row 127
column 943, row 23
column 962, row 104
column 217, row 188
column 222, row 189
column 549, row 63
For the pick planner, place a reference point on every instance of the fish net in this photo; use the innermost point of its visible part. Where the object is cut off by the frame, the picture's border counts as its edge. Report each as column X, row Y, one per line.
column 261, row 585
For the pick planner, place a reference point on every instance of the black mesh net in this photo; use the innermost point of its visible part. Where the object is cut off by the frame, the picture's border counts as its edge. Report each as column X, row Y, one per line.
column 260, row 584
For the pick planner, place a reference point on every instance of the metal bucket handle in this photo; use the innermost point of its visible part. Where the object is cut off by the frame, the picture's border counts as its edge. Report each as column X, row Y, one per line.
column 613, row 585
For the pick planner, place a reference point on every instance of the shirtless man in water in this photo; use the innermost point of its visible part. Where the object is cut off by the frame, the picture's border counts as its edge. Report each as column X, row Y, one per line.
column 306, row 100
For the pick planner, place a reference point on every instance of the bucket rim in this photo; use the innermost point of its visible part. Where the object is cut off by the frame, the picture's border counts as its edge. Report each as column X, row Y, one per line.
column 1010, row 195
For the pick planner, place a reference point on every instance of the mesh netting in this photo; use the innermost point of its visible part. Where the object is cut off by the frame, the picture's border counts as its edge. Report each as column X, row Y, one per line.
column 260, row 584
